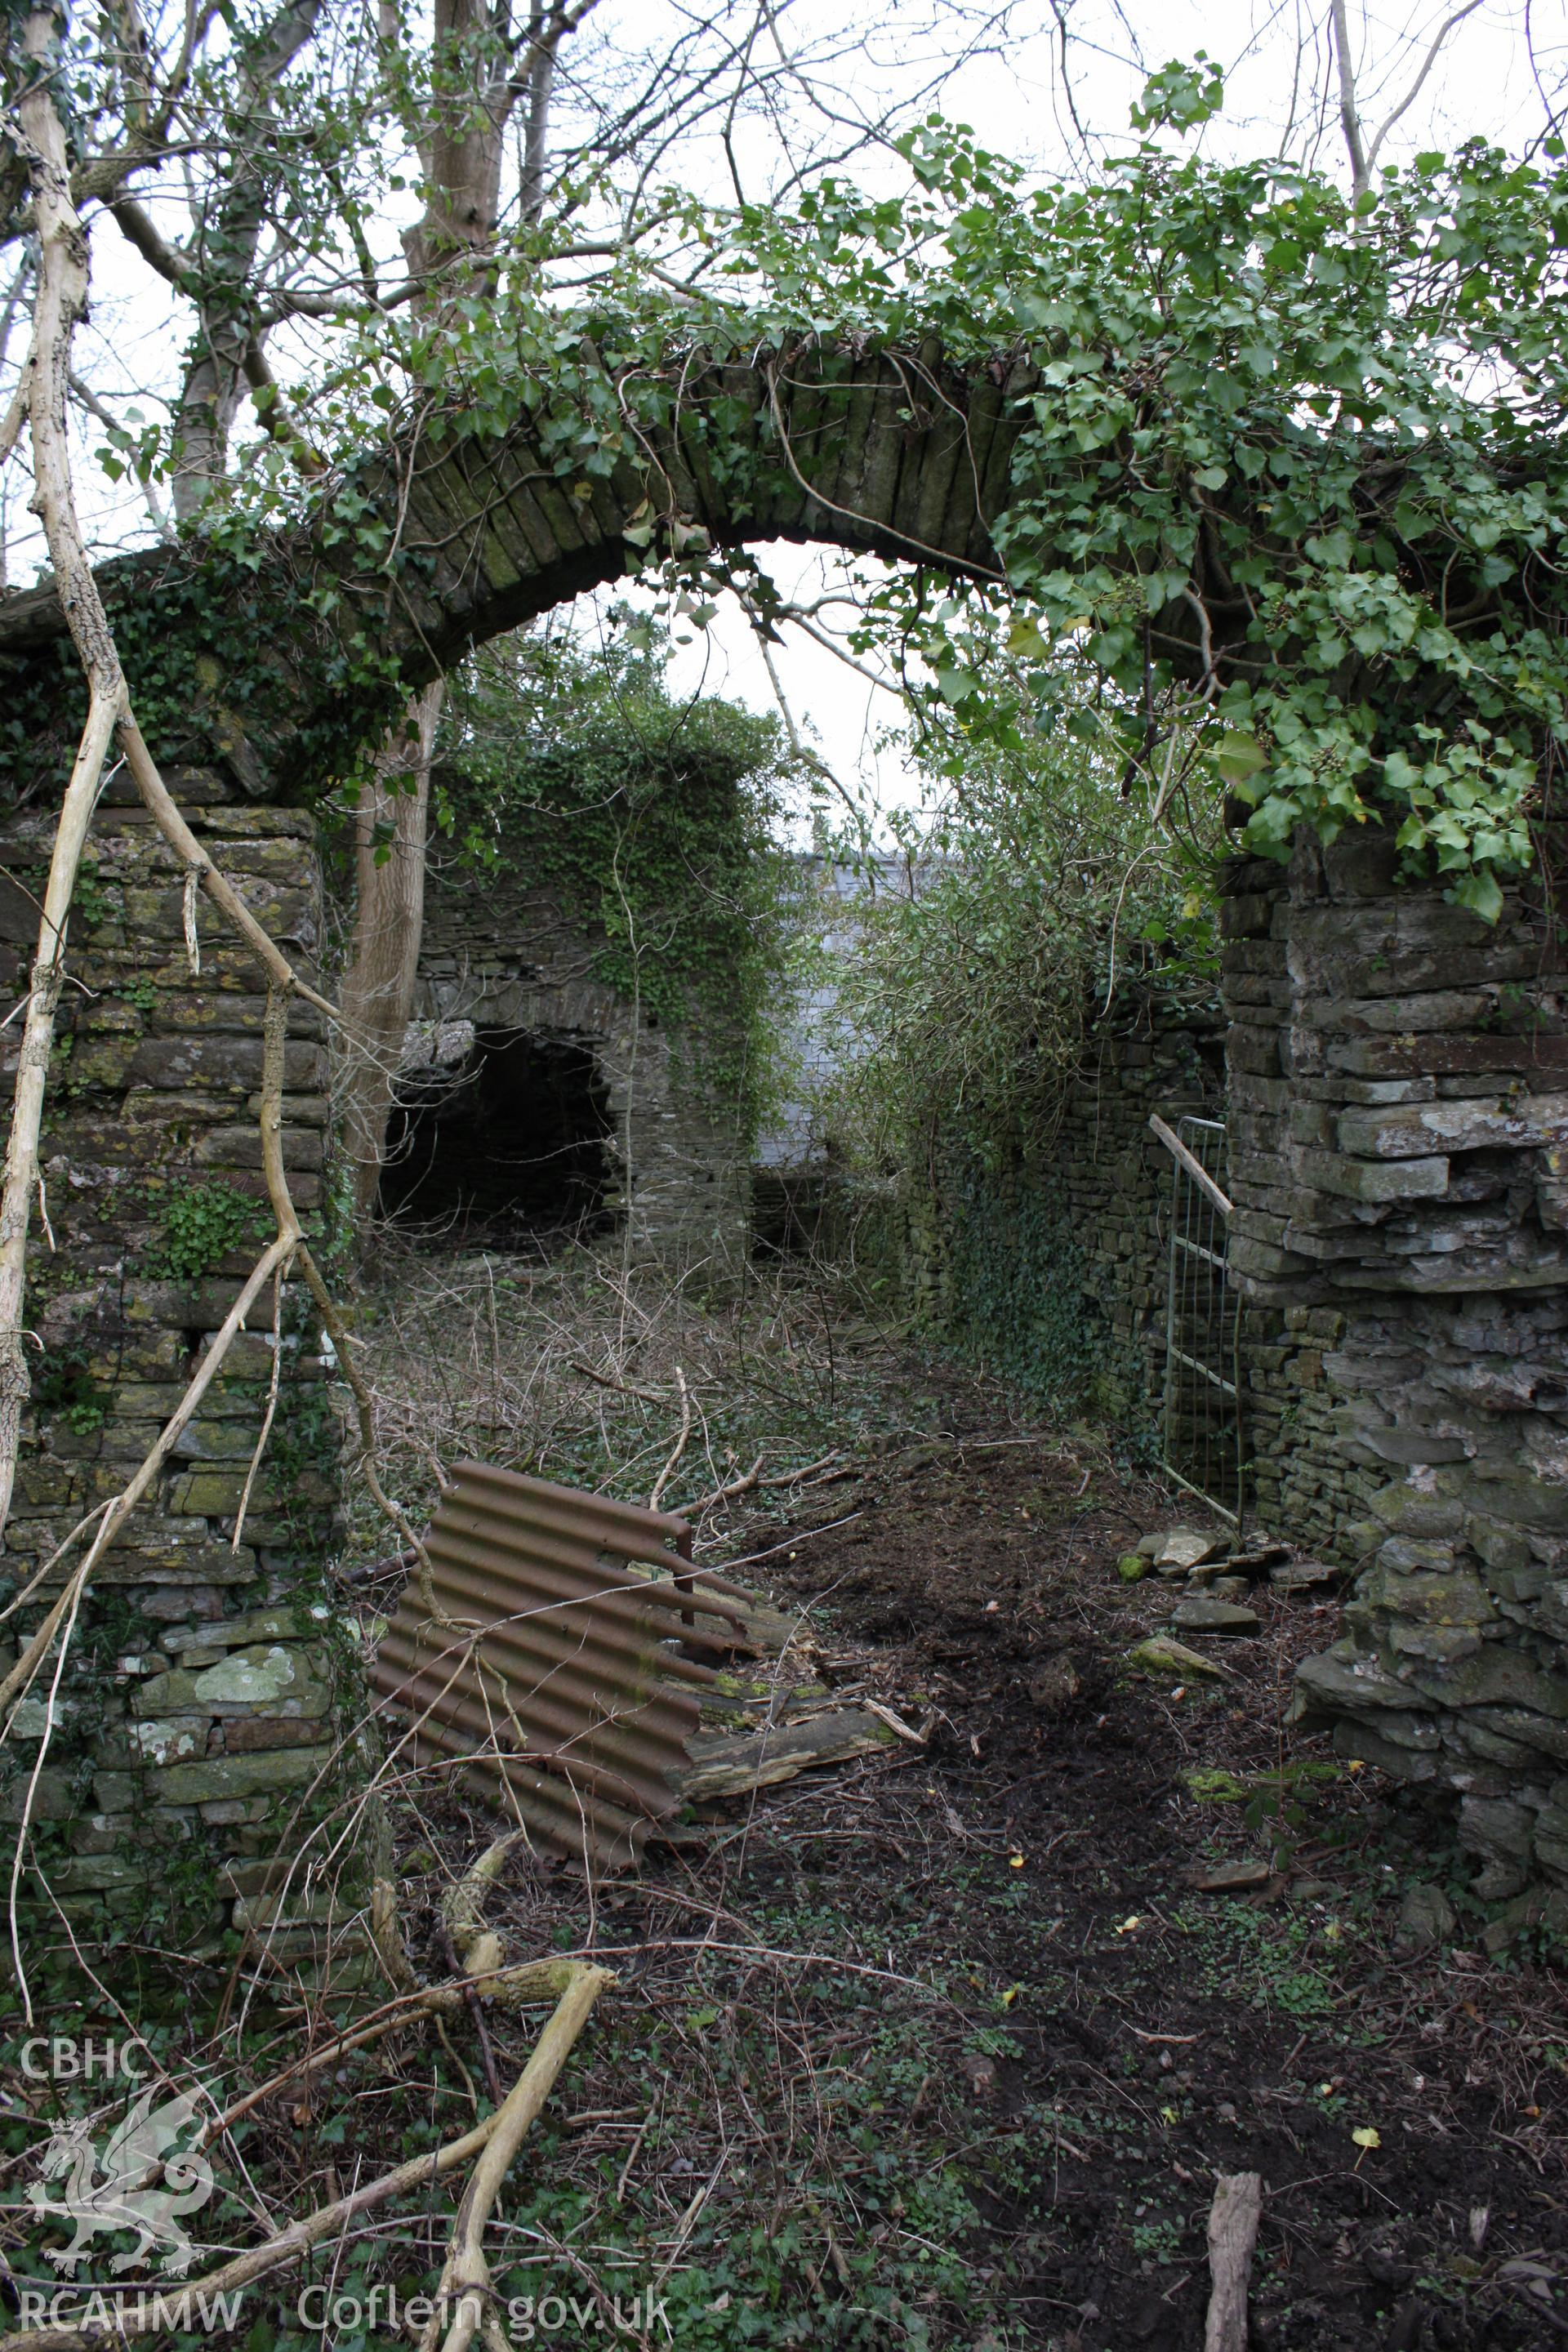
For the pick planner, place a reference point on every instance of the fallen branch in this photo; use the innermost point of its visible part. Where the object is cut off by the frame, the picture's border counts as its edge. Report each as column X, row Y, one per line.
column 142, row 2314
column 510, row 1988
column 1232, row 2233
column 466, row 2273
column 386, row 1934
column 476, row 2017
column 733, row 1764
column 669, row 1471
column 463, row 1909
column 390, row 1563
column 617, row 1388
column 754, row 1477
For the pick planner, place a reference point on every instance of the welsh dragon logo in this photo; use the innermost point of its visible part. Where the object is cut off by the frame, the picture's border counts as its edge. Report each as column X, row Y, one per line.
column 143, row 2180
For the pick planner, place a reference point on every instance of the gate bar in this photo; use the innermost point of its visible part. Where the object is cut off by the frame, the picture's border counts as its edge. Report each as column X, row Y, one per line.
column 1189, row 1165
column 1193, row 1166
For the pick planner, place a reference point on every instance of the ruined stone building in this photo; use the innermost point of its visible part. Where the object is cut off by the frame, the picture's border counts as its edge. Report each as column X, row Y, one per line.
column 537, row 1101
column 1397, row 1113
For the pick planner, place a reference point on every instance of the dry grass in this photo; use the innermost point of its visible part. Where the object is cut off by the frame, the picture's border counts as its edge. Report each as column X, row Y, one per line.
column 730, row 1403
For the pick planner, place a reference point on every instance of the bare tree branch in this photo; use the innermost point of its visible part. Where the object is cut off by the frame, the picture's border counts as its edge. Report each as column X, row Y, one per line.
column 1362, row 154
column 1414, row 92
column 87, row 398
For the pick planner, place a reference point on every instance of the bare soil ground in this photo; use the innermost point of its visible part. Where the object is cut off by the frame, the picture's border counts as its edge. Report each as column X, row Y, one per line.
column 939, row 2049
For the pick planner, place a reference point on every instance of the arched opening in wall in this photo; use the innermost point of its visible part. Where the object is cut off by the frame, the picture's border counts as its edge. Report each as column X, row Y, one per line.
column 499, row 1139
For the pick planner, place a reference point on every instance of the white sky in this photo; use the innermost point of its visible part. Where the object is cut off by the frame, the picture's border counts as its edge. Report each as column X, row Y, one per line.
column 1274, row 56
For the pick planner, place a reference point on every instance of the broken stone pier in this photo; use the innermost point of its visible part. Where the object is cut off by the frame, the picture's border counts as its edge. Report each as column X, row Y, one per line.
column 1398, row 1108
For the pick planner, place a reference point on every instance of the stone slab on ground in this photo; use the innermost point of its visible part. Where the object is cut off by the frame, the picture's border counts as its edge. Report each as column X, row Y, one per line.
column 1160, row 1656
column 1227, row 1877
column 1204, row 1614
column 1425, row 1918
column 1182, row 1549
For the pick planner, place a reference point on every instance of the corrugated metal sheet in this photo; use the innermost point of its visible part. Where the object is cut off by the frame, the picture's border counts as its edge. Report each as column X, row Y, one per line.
column 556, row 1676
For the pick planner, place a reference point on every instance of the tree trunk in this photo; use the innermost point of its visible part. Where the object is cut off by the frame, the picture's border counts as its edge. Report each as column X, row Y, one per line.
column 461, row 157
column 378, row 987
column 449, row 243
column 60, row 306
column 220, row 280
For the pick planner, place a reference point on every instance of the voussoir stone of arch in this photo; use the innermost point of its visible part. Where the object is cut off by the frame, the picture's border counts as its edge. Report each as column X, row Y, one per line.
column 884, row 455
column 895, row 454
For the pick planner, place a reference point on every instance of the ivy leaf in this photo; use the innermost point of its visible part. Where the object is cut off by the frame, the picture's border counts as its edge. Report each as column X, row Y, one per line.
column 1480, row 891
column 1238, row 757
column 1181, row 97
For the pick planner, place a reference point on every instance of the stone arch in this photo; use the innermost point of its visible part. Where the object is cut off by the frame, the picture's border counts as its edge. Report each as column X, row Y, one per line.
column 896, row 454
column 1399, row 1073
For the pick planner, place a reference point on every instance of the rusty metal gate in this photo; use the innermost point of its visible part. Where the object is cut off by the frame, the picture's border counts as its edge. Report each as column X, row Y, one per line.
column 1202, row 1430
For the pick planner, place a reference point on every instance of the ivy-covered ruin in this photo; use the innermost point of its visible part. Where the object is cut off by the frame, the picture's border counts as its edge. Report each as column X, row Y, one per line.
column 1248, row 495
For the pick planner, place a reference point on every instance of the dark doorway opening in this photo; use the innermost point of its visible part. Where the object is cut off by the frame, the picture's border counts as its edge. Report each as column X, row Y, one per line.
column 789, row 1213
column 505, row 1148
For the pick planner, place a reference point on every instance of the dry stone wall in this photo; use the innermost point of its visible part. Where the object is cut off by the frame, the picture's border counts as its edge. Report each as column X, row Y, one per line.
column 1399, row 1113
column 199, row 1724
column 1062, row 1252
column 1114, row 1176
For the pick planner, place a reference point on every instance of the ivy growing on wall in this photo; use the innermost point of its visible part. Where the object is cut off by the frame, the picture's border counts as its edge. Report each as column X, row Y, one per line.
column 1034, row 900
column 201, row 1225
column 572, row 769
column 226, row 658
column 1023, row 1298
column 1292, row 469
